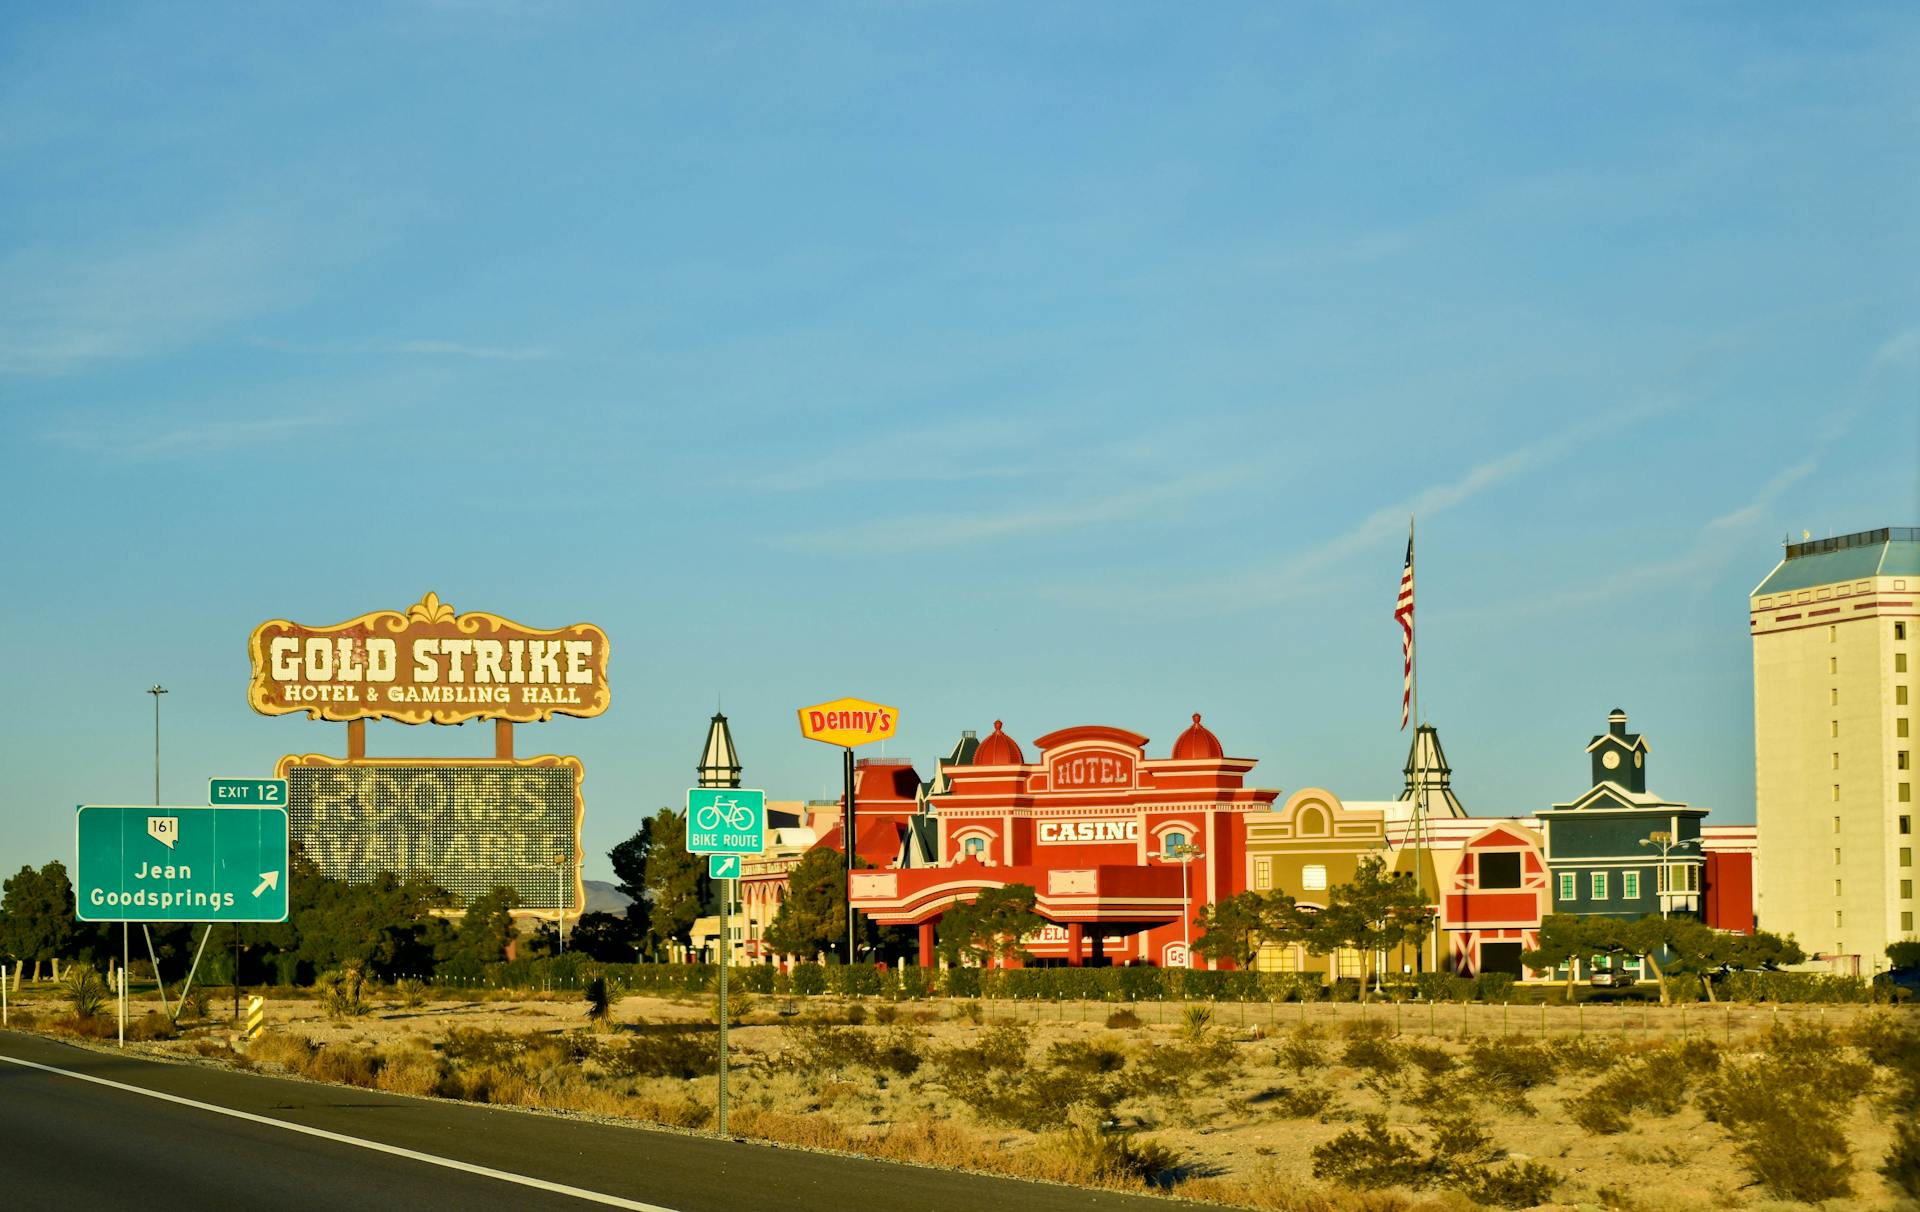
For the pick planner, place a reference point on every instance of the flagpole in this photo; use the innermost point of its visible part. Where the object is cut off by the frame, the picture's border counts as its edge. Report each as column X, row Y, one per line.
column 1420, row 846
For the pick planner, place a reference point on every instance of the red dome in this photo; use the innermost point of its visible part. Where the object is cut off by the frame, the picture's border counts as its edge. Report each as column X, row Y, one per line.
column 1196, row 743
column 999, row 750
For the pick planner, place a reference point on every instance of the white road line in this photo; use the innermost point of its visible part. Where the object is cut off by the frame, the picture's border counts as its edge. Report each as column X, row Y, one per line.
column 611, row 1201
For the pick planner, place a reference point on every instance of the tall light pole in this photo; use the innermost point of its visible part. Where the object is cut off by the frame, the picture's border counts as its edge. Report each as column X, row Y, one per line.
column 156, row 691
column 1186, row 852
column 1664, row 840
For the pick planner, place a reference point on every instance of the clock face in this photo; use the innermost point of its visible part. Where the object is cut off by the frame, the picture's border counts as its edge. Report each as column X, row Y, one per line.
column 1609, row 759
column 1639, row 760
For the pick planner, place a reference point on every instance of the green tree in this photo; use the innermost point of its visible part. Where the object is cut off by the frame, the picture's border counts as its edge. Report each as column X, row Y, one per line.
column 993, row 926
column 813, row 917
column 37, row 915
column 483, row 934
column 1711, row 953
column 1236, row 927
column 1903, row 954
column 629, row 860
column 676, row 881
column 610, row 938
column 1563, row 940
column 1373, row 912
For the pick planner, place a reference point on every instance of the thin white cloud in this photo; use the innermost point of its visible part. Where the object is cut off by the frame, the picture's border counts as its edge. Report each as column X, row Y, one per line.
column 921, row 532
column 1901, row 349
column 121, row 442
column 415, row 348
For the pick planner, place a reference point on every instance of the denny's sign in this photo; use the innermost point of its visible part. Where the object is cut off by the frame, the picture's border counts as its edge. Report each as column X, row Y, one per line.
column 428, row 665
column 848, row 722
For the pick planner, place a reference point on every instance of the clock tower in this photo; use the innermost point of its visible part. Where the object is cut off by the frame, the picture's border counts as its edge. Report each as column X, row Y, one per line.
column 1619, row 756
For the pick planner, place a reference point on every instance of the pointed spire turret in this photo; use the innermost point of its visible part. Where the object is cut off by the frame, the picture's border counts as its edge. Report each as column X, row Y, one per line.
column 1427, row 770
column 719, row 763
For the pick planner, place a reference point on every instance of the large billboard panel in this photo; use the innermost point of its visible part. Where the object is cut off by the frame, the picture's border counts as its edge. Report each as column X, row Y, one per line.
column 428, row 665
column 468, row 825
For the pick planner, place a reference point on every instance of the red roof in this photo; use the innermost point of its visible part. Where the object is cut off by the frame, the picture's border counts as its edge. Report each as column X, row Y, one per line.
column 999, row 750
column 879, row 840
column 1196, row 743
column 880, row 779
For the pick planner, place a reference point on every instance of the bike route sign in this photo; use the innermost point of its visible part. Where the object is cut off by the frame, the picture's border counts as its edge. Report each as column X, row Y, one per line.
column 148, row 864
column 726, row 820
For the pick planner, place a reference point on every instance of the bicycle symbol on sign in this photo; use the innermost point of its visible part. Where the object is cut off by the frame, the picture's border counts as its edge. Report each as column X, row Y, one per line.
column 731, row 814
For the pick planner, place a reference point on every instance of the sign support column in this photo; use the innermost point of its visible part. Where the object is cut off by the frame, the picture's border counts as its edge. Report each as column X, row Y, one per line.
column 846, row 723
column 724, row 823
column 851, row 831
column 726, row 961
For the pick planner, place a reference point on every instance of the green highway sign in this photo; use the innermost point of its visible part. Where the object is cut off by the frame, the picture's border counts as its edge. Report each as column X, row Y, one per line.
column 235, row 793
column 723, row 866
column 726, row 820
column 146, row 864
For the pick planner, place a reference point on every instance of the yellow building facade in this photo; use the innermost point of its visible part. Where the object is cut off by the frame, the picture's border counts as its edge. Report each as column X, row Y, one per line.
column 1834, row 630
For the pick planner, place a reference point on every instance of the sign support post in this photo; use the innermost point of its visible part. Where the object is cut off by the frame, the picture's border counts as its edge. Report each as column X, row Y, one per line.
column 847, row 723
column 724, row 823
column 852, row 848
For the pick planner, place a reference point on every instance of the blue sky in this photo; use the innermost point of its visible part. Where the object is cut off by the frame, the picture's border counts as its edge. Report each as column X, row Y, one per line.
column 1055, row 363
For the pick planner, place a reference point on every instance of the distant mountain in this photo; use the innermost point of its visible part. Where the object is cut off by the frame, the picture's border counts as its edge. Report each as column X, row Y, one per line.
column 603, row 897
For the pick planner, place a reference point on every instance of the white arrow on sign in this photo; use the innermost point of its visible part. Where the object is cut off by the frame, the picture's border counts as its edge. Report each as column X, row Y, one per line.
column 268, row 879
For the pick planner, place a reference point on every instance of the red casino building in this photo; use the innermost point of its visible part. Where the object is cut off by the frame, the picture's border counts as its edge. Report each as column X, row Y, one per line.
column 1121, row 848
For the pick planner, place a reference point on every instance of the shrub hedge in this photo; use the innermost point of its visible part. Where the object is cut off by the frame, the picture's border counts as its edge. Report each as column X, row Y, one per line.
column 1092, row 984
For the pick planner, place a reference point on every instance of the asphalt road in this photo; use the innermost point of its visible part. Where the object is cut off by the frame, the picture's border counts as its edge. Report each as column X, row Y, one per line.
column 270, row 1143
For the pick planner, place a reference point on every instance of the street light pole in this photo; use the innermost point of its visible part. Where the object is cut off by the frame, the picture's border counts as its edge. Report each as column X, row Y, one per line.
column 156, row 690
column 1186, row 852
column 1664, row 840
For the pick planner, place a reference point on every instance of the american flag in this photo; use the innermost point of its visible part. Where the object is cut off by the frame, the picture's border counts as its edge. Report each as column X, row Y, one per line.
column 1403, row 612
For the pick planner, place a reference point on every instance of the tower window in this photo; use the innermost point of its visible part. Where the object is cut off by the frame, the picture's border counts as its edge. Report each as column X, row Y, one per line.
column 1836, row 824
column 1903, row 759
column 1834, row 696
column 1836, row 728
column 1899, row 662
column 1836, row 887
column 1906, row 793
column 1839, row 919
column 1900, row 696
column 1899, row 631
column 1906, row 890
column 1906, row 922
column 1906, row 824
column 1906, row 856
column 1833, row 633
column 1836, row 856
column 1833, row 664
column 1836, row 793
column 1836, row 759
column 1899, row 726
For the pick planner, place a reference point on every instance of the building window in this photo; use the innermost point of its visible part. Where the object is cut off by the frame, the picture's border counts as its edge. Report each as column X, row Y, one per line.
column 1899, row 696
column 1906, row 793
column 1836, row 887
column 1906, row 923
column 974, row 847
column 1833, row 664
column 1903, row 759
column 1313, row 877
column 1836, row 728
column 1906, row 856
column 1906, row 824
column 1899, row 662
column 1836, row 824
column 1630, row 885
column 1899, row 631
column 1500, row 870
column 1835, row 765
column 1834, row 694
column 1172, row 842
column 1598, row 887
column 1839, row 919
column 1833, row 633
column 1900, row 726
column 1836, row 856
column 1262, row 874
column 1566, row 886
column 1836, row 793
column 1906, row 890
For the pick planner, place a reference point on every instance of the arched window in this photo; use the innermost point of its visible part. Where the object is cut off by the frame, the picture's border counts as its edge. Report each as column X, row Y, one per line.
column 1171, row 843
column 1312, row 822
column 974, row 847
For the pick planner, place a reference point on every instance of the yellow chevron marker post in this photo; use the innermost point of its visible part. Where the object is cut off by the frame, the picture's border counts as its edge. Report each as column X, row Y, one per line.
column 256, row 1016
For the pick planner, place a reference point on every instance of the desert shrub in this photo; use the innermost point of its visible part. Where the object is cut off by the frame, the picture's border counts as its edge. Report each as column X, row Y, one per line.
column 886, row 1014
column 85, row 992
column 1304, row 1049
column 1196, row 1021
column 1493, row 986
column 809, row 979
column 968, row 1012
column 1459, row 989
column 1657, row 1084
column 899, row 1053
column 193, row 1004
column 1508, row 1068
column 818, row 1048
column 1430, row 1059
column 754, row 978
column 410, row 1068
column 151, row 1026
column 1305, row 1101
column 1785, row 1110
column 285, row 1048
column 1370, row 1156
column 856, row 1014
column 1374, row 1056
column 1886, row 1041
column 1520, row 1184
column 1697, row 1056
column 993, row 1078
column 601, row 996
column 1433, row 986
column 1122, row 1019
column 739, row 1005
column 1108, row 1156
column 1366, row 1028
column 411, row 990
column 479, row 1046
column 340, row 990
column 679, row 1054
column 1583, row 1054
column 345, row 1064
column 1902, row 1165
column 1179, row 1071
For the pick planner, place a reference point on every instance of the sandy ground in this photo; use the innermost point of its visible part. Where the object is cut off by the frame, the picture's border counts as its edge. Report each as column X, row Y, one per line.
column 1660, row 1165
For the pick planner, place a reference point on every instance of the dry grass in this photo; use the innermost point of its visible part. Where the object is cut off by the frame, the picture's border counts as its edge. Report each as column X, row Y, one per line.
column 1238, row 1101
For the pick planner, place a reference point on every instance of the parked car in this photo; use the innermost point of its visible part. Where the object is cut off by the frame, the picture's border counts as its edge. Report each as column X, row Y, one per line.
column 1612, row 978
column 1905, row 983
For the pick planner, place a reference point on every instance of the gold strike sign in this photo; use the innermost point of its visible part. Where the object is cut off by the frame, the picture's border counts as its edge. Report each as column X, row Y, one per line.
column 848, row 722
column 428, row 665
